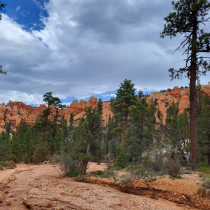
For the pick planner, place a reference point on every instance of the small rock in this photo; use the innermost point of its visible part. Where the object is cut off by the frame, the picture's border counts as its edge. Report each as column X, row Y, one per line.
column 8, row 202
column 2, row 196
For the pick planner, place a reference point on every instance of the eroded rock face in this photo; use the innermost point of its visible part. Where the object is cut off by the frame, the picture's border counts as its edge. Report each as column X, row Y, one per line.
column 185, row 101
column 17, row 111
column 175, row 92
column 206, row 90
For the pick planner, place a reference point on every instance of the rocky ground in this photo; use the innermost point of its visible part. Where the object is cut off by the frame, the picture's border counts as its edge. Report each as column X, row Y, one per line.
column 43, row 187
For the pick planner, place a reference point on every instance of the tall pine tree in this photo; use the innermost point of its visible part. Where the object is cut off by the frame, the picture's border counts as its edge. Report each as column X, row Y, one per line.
column 189, row 15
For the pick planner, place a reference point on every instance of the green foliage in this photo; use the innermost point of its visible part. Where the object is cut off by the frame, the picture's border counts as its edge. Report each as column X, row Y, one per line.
column 173, row 168
column 85, row 144
column 126, row 178
column 66, row 163
column 7, row 165
column 41, row 152
column 132, row 167
column 15, row 149
column 203, row 164
column 204, row 127
column 104, row 174
column 121, row 160
column 204, row 169
column 121, row 105
column 75, row 173
column 141, row 129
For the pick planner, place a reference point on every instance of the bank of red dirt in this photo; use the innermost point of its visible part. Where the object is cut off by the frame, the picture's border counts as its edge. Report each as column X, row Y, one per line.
column 180, row 191
column 41, row 187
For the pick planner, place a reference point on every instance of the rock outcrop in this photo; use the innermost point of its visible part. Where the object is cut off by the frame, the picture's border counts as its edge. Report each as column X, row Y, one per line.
column 185, row 101
column 17, row 111
column 175, row 92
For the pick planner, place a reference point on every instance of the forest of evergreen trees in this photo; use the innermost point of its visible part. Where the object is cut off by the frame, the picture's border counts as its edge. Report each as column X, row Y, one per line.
column 131, row 137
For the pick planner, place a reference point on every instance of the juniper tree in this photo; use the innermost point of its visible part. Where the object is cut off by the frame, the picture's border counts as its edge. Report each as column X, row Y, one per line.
column 121, row 104
column 187, row 20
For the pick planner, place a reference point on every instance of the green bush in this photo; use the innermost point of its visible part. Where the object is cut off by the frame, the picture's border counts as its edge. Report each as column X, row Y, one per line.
column 121, row 160
column 99, row 172
column 126, row 178
column 75, row 173
column 66, row 163
column 41, row 152
column 132, row 167
column 7, row 165
column 203, row 164
column 173, row 168
column 103, row 174
column 205, row 169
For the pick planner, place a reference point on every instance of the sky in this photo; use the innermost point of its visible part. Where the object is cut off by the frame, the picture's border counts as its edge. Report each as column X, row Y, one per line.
column 81, row 48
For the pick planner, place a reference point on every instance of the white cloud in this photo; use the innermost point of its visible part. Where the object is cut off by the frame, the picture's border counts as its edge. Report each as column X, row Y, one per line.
column 109, row 95
column 17, row 8
column 38, row 4
column 85, row 51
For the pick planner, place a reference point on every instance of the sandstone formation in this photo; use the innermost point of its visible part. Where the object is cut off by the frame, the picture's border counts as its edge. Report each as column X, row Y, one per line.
column 16, row 111
column 185, row 101
column 206, row 89
column 175, row 92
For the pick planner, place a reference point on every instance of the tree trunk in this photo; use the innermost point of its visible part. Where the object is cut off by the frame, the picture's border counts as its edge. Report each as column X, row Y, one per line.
column 124, row 129
column 84, row 167
column 45, row 132
column 45, row 129
column 54, row 132
column 141, row 139
column 209, row 160
column 85, row 161
column 193, row 104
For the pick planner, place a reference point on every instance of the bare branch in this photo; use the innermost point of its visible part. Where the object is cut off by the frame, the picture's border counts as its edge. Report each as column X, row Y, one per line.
column 187, row 37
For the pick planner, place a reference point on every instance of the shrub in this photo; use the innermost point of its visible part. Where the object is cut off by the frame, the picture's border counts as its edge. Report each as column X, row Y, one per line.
column 7, row 165
column 121, row 160
column 173, row 168
column 99, row 172
column 66, row 164
column 126, row 178
column 132, row 167
column 205, row 187
column 75, row 173
column 205, row 170
column 41, row 152
column 203, row 164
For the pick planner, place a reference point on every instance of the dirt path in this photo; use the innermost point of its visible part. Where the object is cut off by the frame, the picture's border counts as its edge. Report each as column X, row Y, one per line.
column 41, row 187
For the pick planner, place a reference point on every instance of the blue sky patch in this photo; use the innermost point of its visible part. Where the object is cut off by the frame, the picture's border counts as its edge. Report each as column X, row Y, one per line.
column 27, row 13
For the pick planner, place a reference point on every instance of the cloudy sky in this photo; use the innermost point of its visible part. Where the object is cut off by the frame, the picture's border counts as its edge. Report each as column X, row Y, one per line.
column 80, row 48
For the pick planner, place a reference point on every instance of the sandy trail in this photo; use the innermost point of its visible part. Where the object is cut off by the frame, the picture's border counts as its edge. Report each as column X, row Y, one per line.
column 41, row 187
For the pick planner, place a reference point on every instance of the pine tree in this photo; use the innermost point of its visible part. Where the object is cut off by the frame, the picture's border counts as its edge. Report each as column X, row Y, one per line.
column 56, row 103
column 189, row 15
column 85, row 144
column 204, row 128
column 125, row 98
column 48, row 98
column 140, row 119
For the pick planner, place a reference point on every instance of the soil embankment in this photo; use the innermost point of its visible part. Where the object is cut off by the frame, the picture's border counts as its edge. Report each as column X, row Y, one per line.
column 42, row 187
